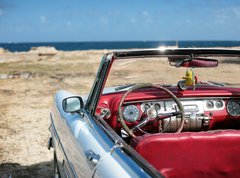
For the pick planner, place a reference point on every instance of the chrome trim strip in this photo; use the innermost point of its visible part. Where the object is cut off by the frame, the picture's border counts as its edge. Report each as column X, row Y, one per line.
column 182, row 99
column 72, row 172
column 175, row 52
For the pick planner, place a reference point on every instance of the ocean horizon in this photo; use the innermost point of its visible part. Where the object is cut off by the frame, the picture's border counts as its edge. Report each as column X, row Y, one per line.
column 101, row 45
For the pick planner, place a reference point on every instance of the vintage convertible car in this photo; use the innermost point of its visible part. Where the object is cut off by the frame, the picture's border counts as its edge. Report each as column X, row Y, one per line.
column 146, row 127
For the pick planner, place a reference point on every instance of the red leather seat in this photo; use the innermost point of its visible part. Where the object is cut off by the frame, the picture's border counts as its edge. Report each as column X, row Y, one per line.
column 192, row 154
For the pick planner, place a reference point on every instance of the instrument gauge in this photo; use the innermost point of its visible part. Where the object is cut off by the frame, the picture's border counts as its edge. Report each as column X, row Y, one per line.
column 233, row 108
column 219, row 104
column 157, row 106
column 145, row 107
column 131, row 113
column 210, row 104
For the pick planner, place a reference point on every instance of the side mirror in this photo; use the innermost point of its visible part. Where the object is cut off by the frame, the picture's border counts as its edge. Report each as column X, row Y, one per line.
column 72, row 104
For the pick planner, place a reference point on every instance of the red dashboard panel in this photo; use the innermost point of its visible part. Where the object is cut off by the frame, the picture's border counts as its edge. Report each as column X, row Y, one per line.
column 219, row 119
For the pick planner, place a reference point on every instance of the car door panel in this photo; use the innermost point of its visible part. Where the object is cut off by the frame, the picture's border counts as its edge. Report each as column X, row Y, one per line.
column 87, row 140
column 118, row 164
column 77, row 137
column 73, row 155
column 87, row 150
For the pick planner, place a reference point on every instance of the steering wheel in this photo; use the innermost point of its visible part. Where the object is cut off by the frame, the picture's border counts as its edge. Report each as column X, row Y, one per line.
column 151, row 112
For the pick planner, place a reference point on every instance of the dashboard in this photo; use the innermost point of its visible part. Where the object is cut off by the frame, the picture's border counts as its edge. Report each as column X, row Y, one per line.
column 207, row 108
column 200, row 114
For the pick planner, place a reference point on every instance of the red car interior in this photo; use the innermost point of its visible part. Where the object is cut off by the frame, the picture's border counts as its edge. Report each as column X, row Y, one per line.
column 202, row 154
column 209, row 152
column 220, row 119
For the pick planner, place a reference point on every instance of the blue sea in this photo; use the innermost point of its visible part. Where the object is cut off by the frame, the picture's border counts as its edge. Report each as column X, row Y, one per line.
column 71, row 46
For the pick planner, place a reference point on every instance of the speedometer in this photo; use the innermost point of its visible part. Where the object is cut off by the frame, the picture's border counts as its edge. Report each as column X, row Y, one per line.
column 131, row 113
column 233, row 108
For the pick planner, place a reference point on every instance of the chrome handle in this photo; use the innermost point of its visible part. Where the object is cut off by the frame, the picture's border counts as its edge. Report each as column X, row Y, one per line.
column 92, row 158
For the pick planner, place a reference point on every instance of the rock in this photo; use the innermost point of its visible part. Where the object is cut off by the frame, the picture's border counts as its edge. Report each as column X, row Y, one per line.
column 3, row 76
column 15, row 75
column 25, row 75
column 3, row 51
column 44, row 50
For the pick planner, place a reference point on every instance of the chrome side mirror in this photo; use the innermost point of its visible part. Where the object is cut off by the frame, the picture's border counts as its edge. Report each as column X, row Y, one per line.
column 72, row 104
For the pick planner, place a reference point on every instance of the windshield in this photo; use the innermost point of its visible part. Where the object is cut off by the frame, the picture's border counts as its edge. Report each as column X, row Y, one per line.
column 158, row 71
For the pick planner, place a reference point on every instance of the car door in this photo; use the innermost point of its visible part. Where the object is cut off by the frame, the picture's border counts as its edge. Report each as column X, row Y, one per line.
column 82, row 145
column 70, row 154
column 84, row 149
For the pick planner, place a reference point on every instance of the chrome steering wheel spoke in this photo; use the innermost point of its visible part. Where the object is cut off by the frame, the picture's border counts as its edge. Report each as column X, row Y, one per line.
column 141, row 124
column 167, row 115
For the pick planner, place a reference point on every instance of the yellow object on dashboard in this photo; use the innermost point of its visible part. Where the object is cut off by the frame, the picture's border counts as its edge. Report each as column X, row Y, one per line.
column 189, row 78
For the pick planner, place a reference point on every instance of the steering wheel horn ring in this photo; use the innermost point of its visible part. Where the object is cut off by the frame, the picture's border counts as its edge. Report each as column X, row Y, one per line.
column 151, row 114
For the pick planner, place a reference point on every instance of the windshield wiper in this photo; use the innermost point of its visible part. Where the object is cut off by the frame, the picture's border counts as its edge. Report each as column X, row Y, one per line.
column 123, row 87
column 215, row 83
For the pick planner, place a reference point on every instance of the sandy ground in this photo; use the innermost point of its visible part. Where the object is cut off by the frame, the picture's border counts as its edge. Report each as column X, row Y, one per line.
column 25, row 99
column 28, row 81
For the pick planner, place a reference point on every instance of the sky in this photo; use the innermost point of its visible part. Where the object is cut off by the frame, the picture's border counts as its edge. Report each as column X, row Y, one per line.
column 118, row 20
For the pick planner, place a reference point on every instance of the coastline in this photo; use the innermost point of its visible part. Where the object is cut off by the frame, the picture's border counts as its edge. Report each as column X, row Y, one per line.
column 28, row 82
column 110, row 45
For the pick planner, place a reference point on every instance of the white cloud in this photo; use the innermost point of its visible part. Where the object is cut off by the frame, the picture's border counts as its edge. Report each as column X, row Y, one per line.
column 146, row 16
column 224, row 15
column 236, row 11
column 221, row 17
column 133, row 20
column 145, row 13
column 188, row 22
column 104, row 20
column 113, row 13
column 69, row 23
column 43, row 19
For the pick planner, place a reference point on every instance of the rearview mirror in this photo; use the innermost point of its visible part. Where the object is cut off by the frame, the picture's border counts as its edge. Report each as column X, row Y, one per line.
column 72, row 104
column 195, row 62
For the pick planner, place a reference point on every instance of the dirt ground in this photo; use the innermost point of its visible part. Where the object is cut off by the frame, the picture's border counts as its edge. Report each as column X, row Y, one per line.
column 28, row 81
column 27, row 86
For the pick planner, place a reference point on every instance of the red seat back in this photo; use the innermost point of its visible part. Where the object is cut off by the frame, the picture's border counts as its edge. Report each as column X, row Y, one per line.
column 193, row 154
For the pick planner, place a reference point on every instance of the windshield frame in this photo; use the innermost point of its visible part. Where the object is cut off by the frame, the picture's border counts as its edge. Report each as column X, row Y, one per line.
column 109, row 58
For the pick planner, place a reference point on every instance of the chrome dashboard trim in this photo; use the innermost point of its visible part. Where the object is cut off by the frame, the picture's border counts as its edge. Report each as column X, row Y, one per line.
column 182, row 99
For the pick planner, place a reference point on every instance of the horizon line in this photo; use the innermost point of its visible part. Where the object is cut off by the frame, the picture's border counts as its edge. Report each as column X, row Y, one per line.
column 109, row 41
